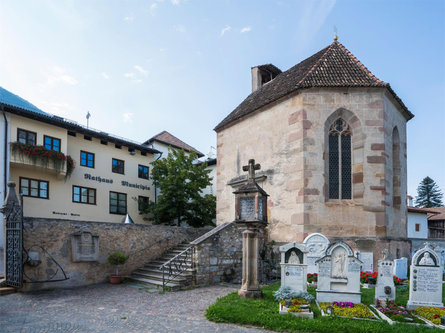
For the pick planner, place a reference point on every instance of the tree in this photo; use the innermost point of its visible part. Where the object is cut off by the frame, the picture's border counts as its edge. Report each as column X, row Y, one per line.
column 428, row 194
column 181, row 183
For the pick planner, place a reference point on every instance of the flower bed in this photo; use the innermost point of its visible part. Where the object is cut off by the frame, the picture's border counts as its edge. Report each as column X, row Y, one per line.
column 396, row 313
column 297, row 306
column 368, row 277
column 431, row 313
column 348, row 310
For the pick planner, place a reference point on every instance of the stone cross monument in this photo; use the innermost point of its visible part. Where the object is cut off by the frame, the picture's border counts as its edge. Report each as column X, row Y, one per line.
column 251, row 211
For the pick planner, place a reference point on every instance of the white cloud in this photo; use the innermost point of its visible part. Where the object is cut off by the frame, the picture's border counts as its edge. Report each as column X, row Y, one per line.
column 105, row 76
column 128, row 18
column 127, row 117
column 59, row 74
column 153, row 9
column 179, row 28
column 175, row 2
column 245, row 29
column 140, row 70
column 162, row 49
column 129, row 75
column 226, row 29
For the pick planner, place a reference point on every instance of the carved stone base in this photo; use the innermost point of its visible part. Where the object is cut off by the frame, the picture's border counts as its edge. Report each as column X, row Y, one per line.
column 250, row 293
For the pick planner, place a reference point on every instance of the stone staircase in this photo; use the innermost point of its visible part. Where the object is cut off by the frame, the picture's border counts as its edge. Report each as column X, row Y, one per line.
column 151, row 276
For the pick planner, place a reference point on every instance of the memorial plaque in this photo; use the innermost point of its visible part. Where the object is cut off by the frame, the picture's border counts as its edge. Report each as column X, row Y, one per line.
column 339, row 275
column 425, row 279
column 401, row 268
column 316, row 244
column 84, row 246
column 247, row 208
column 293, row 266
column 368, row 261
column 385, row 288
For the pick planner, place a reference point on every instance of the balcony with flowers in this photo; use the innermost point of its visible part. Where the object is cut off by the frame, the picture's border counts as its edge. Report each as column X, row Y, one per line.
column 37, row 156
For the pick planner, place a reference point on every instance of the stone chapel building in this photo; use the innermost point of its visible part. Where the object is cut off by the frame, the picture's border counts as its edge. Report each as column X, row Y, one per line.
column 331, row 140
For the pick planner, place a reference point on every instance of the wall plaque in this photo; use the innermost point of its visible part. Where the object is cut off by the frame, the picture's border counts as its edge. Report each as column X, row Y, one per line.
column 84, row 246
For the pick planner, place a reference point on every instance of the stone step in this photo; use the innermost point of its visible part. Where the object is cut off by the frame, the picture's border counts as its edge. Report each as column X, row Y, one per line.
column 158, row 276
column 161, row 262
column 154, row 283
column 155, row 267
column 7, row 290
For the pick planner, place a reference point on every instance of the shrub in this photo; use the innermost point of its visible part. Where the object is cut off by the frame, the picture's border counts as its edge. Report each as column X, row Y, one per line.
column 117, row 258
column 287, row 292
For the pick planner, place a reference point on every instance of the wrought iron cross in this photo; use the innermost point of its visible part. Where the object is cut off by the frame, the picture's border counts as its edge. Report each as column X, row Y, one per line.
column 251, row 167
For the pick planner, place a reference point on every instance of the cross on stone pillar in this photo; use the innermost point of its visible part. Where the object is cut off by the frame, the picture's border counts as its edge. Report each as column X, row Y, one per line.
column 251, row 167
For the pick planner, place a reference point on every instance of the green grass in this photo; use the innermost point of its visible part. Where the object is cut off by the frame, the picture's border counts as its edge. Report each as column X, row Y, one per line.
column 264, row 313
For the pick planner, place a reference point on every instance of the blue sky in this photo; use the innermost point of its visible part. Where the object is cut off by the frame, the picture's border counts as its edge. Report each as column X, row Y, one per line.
column 141, row 67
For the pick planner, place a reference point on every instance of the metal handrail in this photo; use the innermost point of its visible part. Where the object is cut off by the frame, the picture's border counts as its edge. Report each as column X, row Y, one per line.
column 178, row 264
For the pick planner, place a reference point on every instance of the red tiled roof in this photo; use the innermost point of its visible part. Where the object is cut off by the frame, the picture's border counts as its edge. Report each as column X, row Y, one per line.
column 334, row 66
column 171, row 140
column 419, row 210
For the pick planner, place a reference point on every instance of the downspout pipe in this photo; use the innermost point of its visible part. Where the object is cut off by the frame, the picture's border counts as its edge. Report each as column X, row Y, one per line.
column 5, row 159
column 156, row 192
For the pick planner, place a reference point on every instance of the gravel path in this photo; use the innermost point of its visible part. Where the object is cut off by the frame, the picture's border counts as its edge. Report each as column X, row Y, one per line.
column 108, row 308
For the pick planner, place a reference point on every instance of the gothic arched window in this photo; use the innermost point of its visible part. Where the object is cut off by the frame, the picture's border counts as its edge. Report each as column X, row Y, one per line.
column 340, row 185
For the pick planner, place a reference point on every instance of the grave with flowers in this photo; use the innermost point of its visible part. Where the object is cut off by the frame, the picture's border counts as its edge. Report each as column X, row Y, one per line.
column 394, row 313
column 346, row 310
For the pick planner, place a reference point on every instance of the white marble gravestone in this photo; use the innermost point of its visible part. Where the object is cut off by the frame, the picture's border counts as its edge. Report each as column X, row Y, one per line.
column 316, row 245
column 401, row 268
column 385, row 288
column 293, row 266
column 368, row 261
column 425, row 287
column 339, row 275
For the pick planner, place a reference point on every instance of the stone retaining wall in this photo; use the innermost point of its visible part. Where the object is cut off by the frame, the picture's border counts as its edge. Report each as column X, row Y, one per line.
column 218, row 256
column 142, row 243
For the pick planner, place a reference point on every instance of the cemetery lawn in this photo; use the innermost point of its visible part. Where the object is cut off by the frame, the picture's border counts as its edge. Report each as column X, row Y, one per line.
column 264, row 313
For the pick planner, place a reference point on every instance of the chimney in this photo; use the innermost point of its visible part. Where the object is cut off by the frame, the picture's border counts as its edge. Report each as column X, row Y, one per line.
column 263, row 74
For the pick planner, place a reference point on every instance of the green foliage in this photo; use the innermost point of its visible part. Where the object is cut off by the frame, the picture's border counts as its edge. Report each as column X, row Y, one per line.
column 264, row 313
column 181, row 183
column 428, row 194
column 117, row 258
column 287, row 292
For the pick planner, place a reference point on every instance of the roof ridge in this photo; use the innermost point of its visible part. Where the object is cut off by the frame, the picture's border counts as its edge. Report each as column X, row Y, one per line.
column 358, row 62
column 315, row 65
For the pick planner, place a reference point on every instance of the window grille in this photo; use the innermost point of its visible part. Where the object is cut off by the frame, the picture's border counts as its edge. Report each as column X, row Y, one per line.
column 340, row 175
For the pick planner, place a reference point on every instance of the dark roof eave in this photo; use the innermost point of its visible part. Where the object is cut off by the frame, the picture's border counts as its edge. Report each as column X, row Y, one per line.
column 57, row 121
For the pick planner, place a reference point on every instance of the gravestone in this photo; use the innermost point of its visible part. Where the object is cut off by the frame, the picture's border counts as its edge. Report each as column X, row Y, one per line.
column 339, row 275
column 293, row 266
column 425, row 287
column 385, row 288
column 368, row 261
column 401, row 268
column 84, row 246
column 316, row 245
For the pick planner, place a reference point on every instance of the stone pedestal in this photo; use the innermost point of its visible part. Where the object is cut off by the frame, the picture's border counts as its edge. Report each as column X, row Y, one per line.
column 250, row 286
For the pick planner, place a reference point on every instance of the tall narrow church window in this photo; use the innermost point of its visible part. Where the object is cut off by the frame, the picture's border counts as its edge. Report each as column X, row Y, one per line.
column 340, row 180
column 396, row 169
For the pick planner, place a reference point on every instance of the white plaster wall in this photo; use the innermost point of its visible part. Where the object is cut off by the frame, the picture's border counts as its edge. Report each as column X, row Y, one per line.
column 3, row 171
column 211, row 189
column 417, row 218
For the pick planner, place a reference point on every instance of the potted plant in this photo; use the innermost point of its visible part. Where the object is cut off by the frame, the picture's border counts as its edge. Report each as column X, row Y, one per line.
column 116, row 258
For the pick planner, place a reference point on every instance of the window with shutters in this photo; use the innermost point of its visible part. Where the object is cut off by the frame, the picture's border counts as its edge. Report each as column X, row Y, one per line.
column 340, row 161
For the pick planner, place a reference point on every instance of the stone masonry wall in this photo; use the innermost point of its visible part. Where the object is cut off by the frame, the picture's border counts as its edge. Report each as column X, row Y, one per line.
column 218, row 255
column 142, row 243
